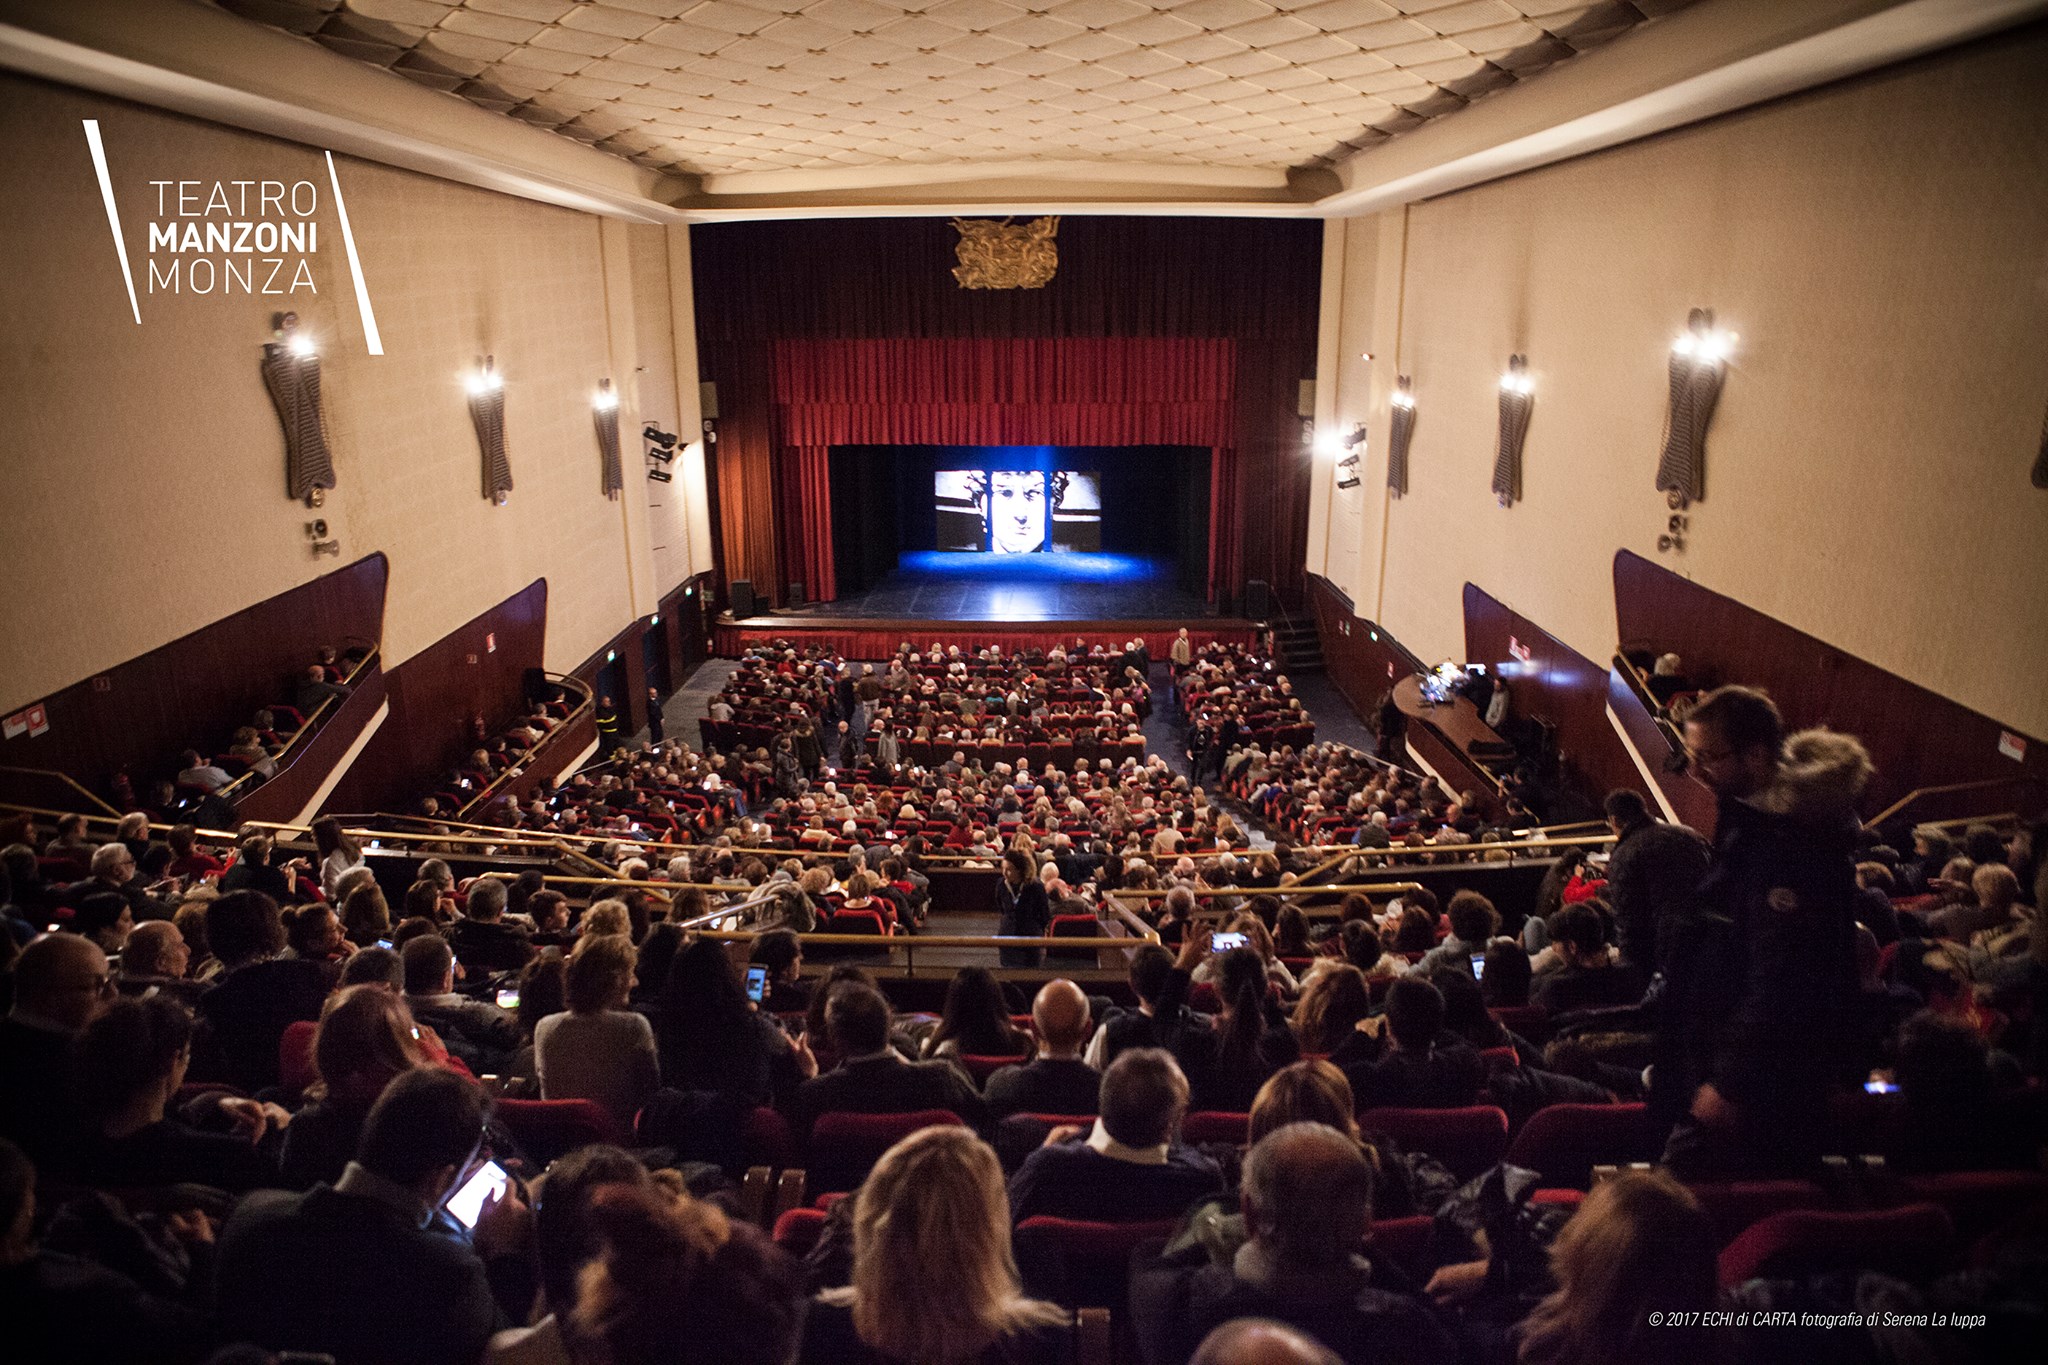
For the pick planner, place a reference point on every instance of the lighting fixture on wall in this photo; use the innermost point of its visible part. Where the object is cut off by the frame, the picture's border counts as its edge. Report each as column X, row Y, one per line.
column 487, row 410
column 604, row 411
column 1401, row 432
column 322, row 543
column 291, row 371
column 661, row 450
column 1517, row 399
column 1699, row 362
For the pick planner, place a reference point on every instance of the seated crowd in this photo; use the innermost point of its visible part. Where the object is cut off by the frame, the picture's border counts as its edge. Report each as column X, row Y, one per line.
column 1230, row 697
column 252, row 1105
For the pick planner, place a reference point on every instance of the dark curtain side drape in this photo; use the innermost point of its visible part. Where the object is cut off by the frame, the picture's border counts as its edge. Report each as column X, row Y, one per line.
column 1241, row 293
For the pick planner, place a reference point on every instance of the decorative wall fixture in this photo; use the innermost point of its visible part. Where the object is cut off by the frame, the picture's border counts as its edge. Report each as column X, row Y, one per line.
column 605, row 409
column 2041, row 461
column 1517, row 398
column 1699, row 362
column 487, row 410
column 1006, row 255
column 291, row 371
column 1402, row 431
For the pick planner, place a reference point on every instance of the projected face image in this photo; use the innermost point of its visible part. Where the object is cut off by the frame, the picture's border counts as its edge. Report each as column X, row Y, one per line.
column 1016, row 511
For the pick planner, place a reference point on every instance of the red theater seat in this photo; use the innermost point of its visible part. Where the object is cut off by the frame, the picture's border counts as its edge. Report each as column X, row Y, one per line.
column 1467, row 1140
column 844, row 1147
column 546, row 1129
column 1912, row 1242
column 1564, row 1142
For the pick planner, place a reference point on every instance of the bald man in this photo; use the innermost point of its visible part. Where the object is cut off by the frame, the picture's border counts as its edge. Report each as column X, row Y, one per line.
column 60, row 983
column 1056, row 1081
column 1261, row 1341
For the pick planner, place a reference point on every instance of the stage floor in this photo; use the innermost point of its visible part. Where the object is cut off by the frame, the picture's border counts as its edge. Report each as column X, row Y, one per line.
column 949, row 586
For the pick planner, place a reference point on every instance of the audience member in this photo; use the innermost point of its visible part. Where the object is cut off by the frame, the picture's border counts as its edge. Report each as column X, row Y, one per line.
column 1056, row 1081
column 872, row 1078
column 257, row 995
column 1130, row 1167
column 61, row 983
column 598, row 1049
column 933, row 1209
column 1419, row 1071
column 356, row 1269
column 477, row 1031
column 1308, row 1207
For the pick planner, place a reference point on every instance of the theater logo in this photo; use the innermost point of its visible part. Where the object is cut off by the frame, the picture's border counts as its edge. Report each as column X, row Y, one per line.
column 228, row 237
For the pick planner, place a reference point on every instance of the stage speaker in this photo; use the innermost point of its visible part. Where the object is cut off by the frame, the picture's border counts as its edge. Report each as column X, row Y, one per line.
column 796, row 596
column 1305, row 399
column 743, row 600
column 1258, row 600
column 707, row 401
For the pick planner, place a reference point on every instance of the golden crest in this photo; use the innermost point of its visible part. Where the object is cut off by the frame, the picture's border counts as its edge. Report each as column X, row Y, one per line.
column 1006, row 255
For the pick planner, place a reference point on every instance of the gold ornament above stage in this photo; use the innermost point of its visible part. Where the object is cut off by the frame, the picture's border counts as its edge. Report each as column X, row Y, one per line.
column 1006, row 255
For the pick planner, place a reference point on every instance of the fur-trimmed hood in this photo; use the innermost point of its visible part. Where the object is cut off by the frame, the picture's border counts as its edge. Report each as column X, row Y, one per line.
column 1821, row 777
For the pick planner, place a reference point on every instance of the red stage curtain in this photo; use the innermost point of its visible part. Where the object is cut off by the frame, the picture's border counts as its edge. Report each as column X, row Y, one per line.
column 1093, row 391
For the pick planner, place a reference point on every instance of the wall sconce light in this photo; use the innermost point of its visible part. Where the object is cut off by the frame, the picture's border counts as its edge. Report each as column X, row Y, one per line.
column 1403, row 430
column 487, row 411
column 1699, row 362
column 1517, row 399
column 604, row 410
column 291, row 371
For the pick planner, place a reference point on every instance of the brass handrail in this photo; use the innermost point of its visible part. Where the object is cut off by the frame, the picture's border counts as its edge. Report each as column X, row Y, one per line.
column 68, row 781
column 1943, row 790
column 1429, row 849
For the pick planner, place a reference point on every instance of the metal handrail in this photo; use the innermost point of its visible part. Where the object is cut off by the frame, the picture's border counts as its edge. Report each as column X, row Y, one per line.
column 1944, row 790
column 68, row 781
column 1575, row 841
column 519, row 763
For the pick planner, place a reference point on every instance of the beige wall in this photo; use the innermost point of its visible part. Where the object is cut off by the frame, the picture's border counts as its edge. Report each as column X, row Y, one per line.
column 143, row 466
column 1880, row 247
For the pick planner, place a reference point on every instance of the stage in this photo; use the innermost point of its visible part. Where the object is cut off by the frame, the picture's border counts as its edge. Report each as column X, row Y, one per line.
column 955, row 586
column 1011, row 601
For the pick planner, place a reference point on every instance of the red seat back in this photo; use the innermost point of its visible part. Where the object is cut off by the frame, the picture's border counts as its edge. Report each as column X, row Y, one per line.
column 1081, row 1264
column 547, row 1129
column 1564, row 1142
column 981, row 1068
column 1736, row 1204
column 1913, row 1242
column 768, row 1140
column 1408, row 1242
column 857, row 922
column 1466, row 1140
column 1215, row 1125
column 295, row 1069
column 798, row 1230
column 844, row 1147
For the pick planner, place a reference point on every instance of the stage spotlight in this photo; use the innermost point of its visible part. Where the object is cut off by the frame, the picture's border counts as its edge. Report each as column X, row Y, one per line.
column 660, row 475
column 665, row 456
column 657, row 436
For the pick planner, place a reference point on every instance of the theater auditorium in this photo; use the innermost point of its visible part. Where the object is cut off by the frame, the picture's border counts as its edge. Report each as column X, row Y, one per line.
column 1023, row 682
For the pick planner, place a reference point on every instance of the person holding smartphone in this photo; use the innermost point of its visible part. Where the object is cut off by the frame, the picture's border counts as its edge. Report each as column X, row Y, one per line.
column 357, row 1269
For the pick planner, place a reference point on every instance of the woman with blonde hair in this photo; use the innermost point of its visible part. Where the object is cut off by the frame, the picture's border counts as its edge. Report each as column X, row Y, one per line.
column 934, row 1280
column 1639, row 1241
column 1312, row 1091
column 605, row 917
column 366, row 1038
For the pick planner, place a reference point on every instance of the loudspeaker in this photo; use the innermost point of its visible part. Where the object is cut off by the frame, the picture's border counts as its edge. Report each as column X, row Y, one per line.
column 707, row 400
column 743, row 601
column 1305, row 399
column 796, row 596
column 1258, row 600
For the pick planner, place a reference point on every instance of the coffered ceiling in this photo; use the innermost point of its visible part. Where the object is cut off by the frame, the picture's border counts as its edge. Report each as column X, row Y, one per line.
column 782, row 96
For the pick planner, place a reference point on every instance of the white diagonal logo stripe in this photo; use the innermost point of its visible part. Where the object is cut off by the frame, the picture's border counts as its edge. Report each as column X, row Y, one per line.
column 99, row 166
column 355, row 266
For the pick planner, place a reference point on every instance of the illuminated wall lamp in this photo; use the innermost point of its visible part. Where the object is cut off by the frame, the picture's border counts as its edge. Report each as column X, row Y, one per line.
column 1401, row 431
column 291, row 371
column 1517, row 400
column 1699, row 364
column 604, row 411
column 487, row 411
